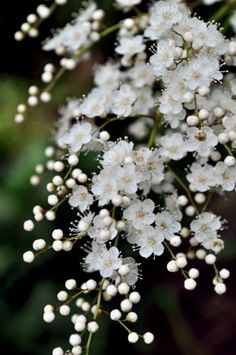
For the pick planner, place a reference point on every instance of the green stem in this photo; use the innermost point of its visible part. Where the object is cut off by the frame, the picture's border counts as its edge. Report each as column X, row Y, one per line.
column 99, row 298
column 228, row 150
column 223, row 10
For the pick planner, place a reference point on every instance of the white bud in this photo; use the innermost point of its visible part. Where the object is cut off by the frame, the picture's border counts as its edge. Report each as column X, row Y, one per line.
column 83, row 226
column 148, row 338
column 135, row 297
column 175, row 241
column 47, row 77
column 60, row 2
column 200, row 198
column 50, row 215
column 80, row 326
column 28, row 257
column 98, row 15
column 48, row 317
column 188, row 97
column 82, row 178
column 45, row 96
column 58, row 166
column 31, row 18
column 133, row 337
column 58, row 351
column 70, row 183
column 123, row 288
column 182, row 200
column 104, row 136
column 70, row 284
column 123, row 270
column 220, row 288
column 57, row 245
column 19, row 36
column 91, row 284
column 57, row 234
column 203, row 91
column 75, row 339
column 28, row 225
column 203, row 114
column 112, row 290
column 229, row 161
column 132, row 317
column 62, row 296
column 193, row 273
column 92, row 326
column 32, row 100
column 25, row 27
column 67, row 245
column 43, row 11
column 126, row 305
column 190, row 211
column 33, row 32
column 52, row 200
column 181, row 262
column 115, row 314
column 19, row 118
column 172, row 266
column 224, row 273
column 104, row 212
column 117, row 201
column 190, row 284
column 64, row 310
column 210, row 259
column 39, row 244
column 200, row 254
column 73, row 160
column 192, row 120
column 188, row 36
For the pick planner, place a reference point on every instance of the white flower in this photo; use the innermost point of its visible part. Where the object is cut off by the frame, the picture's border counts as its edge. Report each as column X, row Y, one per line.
column 139, row 128
column 117, row 153
column 98, row 225
column 201, row 177
column 79, row 134
column 167, row 225
column 141, row 74
column 175, row 120
column 80, row 198
column 127, row 178
column 91, row 261
column 225, row 176
column 109, row 262
column 163, row 58
column 169, row 104
column 172, row 146
column 140, row 213
column 201, row 140
column 132, row 276
column 130, row 45
column 144, row 102
column 164, row 14
column 123, row 101
column 97, row 103
column 172, row 205
column 104, row 187
column 205, row 227
column 107, row 76
column 150, row 242
column 201, row 71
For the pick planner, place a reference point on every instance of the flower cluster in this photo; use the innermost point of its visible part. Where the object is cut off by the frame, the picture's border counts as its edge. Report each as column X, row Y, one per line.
column 166, row 85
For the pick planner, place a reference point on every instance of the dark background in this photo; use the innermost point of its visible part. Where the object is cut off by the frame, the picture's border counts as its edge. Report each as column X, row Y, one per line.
column 196, row 323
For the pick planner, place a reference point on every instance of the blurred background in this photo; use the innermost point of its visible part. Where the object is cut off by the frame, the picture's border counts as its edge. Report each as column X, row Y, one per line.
column 196, row 323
